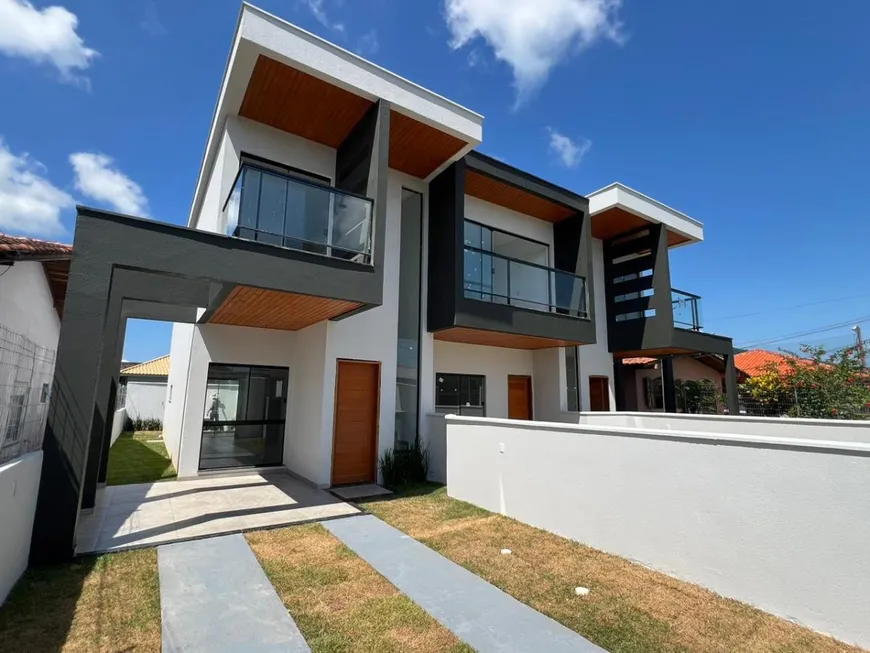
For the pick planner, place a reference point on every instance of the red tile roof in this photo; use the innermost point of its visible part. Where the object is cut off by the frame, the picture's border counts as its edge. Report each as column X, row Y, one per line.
column 758, row 361
column 20, row 246
column 638, row 361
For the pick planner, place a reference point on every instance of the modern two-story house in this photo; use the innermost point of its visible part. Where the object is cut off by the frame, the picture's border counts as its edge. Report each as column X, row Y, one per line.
column 351, row 266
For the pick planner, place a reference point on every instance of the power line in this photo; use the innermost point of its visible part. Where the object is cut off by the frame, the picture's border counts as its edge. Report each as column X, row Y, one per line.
column 789, row 308
column 810, row 332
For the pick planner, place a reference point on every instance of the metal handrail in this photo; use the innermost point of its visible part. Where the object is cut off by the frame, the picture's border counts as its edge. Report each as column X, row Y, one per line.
column 522, row 262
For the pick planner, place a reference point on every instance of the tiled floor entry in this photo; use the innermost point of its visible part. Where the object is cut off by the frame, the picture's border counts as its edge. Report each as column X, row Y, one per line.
column 129, row 516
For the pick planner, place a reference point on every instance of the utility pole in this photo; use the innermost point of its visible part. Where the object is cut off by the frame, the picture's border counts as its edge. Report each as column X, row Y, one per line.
column 862, row 354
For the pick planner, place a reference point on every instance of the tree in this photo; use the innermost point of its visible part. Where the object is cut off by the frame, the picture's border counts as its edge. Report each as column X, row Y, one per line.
column 834, row 385
column 698, row 397
column 814, row 384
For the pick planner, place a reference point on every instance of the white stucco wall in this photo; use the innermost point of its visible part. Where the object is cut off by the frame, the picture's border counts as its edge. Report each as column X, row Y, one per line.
column 26, row 305
column 781, row 524
column 119, row 418
column 436, row 443
column 495, row 363
column 19, row 486
column 595, row 360
column 769, row 427
column 176, row 389
column 146, row 399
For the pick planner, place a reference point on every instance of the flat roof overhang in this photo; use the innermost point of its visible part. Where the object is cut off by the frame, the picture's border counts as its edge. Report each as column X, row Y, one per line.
column 273, row 64
column 498, row 183
column 618, row 209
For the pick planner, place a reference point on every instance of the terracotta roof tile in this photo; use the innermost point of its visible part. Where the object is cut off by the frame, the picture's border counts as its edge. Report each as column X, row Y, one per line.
column 156, row 367
column 757, row 361
column 22, row 246
column 638, row 361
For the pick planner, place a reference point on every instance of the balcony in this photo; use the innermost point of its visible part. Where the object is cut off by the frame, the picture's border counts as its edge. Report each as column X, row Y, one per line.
column 298, row 214
column 687, row 310
column 499, row 279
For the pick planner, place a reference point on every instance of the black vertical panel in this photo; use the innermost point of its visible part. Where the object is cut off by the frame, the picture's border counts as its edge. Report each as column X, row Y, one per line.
column 669, row 386
column 731, row 397
column 446, row 214
column 661, row 299
column 354, row 156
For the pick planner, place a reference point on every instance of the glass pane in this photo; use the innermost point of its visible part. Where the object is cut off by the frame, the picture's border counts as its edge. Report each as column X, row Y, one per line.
column 407, row 396
column 473, row 278
column 446, row 390
column 352, row 225
column 569, row 293
column 244, row 419
column 572, row 374
column 472, row 235
column 529, row 286
column 273, row 202
column 250, row 198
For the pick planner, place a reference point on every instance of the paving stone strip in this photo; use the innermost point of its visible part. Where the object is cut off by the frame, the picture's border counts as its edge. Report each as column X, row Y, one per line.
column 475, row 611
column 215, row 597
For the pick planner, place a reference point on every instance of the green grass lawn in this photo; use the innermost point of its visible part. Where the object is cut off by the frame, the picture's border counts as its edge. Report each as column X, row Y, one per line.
column 630, row 609
column 139, row 457
column 110, row 603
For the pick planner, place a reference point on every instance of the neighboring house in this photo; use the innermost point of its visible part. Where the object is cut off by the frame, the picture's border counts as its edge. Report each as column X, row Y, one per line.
column 33, row 279
column 759, row 361
column 645, row 391
column 143, row 389
column 351, row 266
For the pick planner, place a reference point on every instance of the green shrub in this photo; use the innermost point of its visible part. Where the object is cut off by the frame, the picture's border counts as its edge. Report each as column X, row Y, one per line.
column 143, row 424
column 408, row 467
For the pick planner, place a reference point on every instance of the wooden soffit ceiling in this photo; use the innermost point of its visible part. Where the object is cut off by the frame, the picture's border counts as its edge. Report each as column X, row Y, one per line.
column 289, row 99
column 509, row 196
column 418, row 149
column 272, row 309
column 498, row 339
column 617, row 221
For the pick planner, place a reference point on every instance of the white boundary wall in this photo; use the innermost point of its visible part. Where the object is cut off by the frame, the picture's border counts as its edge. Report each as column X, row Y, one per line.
column 19, row 486
column 774, row 427
column 118, row 420
column 781, row 523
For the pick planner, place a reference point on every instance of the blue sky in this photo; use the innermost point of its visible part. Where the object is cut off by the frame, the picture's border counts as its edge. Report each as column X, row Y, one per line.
column 751, row 117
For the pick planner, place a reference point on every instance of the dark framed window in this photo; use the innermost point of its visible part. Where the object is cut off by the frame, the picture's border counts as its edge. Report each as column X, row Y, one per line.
column 244, row 417
column 653, row 393
column 460, row 394
column 572, row 371
column 408, row 355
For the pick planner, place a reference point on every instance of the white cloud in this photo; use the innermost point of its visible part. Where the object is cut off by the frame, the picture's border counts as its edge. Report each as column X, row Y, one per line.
column 151, row 23
column 368, row 43
column 532, row 37
column 316, row 8
column 98, row 178
column 44, row 36
column 569, row 151
column 29, row 203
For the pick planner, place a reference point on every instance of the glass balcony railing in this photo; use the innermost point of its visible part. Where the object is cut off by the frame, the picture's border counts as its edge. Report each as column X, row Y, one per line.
column 291, row 212
column 687, row 310
column 503, row 280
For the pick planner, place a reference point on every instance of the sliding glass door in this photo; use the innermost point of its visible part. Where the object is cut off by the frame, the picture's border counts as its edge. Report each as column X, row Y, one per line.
column 245, row 412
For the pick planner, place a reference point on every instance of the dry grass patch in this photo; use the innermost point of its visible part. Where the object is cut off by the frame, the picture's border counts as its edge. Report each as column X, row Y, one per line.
column 338, row 601
column 630, row 609
column 105, row 604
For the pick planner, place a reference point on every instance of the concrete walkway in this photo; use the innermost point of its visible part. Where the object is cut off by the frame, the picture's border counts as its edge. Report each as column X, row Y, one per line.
column 475, row 611
column 215, row 597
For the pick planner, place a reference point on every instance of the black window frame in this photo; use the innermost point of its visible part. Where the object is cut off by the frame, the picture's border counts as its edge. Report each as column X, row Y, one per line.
column 440, row 408
column 573, row 393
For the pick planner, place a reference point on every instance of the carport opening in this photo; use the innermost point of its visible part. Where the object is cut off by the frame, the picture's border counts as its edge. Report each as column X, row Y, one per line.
column 138, row 451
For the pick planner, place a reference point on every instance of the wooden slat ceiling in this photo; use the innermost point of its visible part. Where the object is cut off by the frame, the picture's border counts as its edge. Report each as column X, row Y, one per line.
column 299, row 103
column 57, row 273
column 272, row 309
column 616, row 221
column 294, row 101
column 652, row 353
column 418, row 149
column 499, row 339
column 511, row 197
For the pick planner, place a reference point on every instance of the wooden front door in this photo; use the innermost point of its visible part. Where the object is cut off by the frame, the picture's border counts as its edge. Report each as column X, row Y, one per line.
column 355, row 438
column 599, row 394
column 519, row 397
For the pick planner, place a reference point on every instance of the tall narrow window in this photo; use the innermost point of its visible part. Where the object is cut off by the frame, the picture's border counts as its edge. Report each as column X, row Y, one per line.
column 572, row 370
column 408, row 360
